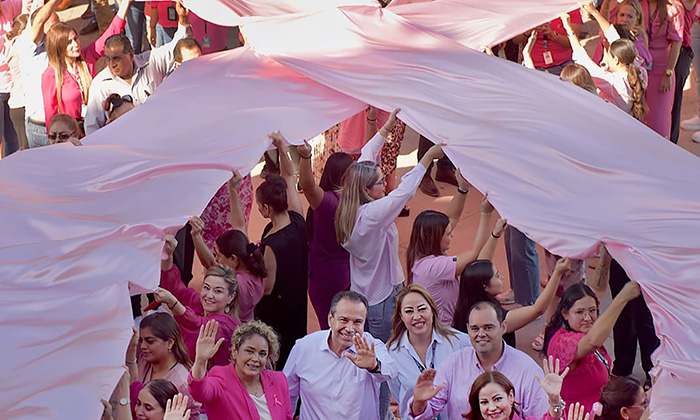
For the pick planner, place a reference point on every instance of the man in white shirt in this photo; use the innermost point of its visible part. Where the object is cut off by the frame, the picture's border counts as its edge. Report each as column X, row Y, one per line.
column 337, row 372
column 136, row 75
column 32, row 63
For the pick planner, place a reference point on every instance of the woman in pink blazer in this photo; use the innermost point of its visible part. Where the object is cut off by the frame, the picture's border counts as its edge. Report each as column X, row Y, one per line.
column 243, row 389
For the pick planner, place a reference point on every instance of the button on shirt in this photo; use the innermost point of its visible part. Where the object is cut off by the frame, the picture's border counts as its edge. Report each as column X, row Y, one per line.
column 375, row 268
column 332, row 387
column 407, row 361
column 460, row 370
column 150, row 68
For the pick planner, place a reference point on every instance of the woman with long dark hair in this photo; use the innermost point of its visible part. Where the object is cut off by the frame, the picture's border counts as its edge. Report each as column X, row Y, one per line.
column 329, row 263
column 576, row 334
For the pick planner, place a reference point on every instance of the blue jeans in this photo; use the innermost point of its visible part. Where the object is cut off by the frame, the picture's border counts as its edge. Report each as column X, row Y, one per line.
column 164, row 35
column 135, row 24
column 36, row 134
column 556, row 70
column 378, row 323
column 523, row 265
column 7, row 129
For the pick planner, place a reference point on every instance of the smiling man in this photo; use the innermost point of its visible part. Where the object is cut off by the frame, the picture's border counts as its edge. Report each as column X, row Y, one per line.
column 337, row 372
column 454, row 377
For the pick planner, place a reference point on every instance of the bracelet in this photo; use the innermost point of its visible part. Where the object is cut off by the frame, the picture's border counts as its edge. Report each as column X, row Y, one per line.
column 131, row 362
column 461, row 191
column 370, row 120
column 485, row 213
column 304, row 157
column 497, row 237
column 174, row 305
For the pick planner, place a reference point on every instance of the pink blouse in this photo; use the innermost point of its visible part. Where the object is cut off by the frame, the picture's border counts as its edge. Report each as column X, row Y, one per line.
column 193, row 317
column 71, row 97
column 671, row 30
column 584, row 383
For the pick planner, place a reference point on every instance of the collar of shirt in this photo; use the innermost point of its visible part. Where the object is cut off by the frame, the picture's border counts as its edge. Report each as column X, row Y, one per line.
column 405, row 344
column 496, row 366
column 326, row 347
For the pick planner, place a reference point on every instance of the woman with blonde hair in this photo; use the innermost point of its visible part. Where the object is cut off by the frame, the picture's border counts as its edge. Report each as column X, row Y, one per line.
column 419, row 341
column 65, row 85
column 218, row 300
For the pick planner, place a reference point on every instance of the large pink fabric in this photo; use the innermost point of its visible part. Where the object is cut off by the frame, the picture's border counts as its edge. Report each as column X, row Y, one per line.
column 563, row 166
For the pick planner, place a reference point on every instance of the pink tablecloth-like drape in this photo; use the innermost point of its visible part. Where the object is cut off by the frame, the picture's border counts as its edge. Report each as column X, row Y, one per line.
column 569, row 170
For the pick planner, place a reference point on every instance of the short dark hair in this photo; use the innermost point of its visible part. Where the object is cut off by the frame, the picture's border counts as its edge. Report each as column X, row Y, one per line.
column 162, row 390
column 485, row 304
column 350, row 295
column 119, row 40
column 187, row 43
column 273, row 192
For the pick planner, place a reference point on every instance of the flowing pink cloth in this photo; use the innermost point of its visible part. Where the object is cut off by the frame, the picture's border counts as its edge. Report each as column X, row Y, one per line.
column 79, row 223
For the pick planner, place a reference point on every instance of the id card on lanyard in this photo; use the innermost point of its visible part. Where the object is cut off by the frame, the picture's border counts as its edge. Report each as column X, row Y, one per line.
column 547, row 55
column 421, row 368
column 206, row 42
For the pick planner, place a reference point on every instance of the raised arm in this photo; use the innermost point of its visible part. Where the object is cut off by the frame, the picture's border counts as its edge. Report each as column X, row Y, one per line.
column 603, row 326
column 520, row 317
column 312, row 192
column 207, row 346
column 371, row 150
column 570, row 32
column 152, row 24
column 271, row 267
column 602, row 273
column 371, row 126
column 480, row 241
column 456, row 206
column 206, row 257
column 527, row 50
column 287, row 172
column 237, row 215
column 42, row 16
column 598, row 16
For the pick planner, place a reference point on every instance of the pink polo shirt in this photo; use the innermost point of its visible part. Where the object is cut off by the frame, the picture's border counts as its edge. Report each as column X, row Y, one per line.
column 559, row 54
column 437, row 274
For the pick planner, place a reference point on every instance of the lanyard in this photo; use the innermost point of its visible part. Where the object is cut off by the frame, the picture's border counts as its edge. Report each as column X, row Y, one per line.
column 600, row 357
column 421, row 368
column 651, row 20
column 545, row 42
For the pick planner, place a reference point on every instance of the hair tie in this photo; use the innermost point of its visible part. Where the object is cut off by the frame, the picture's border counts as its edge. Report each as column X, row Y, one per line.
column 251, row 248
column 597, row 408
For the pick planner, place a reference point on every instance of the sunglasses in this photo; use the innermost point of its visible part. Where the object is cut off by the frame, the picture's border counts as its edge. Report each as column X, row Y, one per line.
column 62, row 137
column 117, row 101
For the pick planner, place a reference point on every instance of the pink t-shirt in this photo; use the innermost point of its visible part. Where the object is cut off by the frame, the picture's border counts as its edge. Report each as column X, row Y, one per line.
column 559, row 53
column 437, row 274
column 250, row 291
column 584, row 383
column 352, row 133
column 688, row 21
column 211, row 37
column 162, row 7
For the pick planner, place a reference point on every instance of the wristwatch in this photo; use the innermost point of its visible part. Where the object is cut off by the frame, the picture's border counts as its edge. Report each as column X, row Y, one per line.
column 124, row 401
column 669, row 73
column 558, row 408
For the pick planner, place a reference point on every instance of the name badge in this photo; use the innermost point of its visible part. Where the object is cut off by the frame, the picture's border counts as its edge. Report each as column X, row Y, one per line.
column 206, row 43
column 547, row 57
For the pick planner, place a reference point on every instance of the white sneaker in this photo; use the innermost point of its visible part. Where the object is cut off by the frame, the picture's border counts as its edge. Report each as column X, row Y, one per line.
column 692, row 124
column 696, row 137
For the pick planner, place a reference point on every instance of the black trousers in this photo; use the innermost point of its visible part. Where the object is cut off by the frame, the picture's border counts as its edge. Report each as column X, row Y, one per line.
column 682, row 73
column 635, row 324
column 443, row 163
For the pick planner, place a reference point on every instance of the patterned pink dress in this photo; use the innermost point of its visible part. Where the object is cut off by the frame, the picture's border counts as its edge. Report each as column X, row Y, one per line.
column 584, row 383
column 217, row 215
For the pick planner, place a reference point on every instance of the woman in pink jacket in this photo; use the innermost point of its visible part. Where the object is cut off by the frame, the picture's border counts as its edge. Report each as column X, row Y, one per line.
column 245, row 389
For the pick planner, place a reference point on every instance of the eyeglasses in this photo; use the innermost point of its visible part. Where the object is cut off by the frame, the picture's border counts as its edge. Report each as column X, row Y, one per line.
column 62, row 137
column 581, row 313
column 117, row 101
column 381, row 182
column 643, row 405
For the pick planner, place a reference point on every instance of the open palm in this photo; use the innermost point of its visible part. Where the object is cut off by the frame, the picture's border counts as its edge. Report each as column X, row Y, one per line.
column 424, row 389
column 207, row 345
column 552, row 379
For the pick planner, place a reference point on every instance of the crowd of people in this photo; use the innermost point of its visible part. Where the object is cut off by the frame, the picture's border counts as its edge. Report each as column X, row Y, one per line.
column 438, row 336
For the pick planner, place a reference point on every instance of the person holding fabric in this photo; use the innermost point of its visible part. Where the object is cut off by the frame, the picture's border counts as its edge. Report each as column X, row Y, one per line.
column 337, row 372
column 217, row 301
column 665, row 31
column 33, row 61
column 419, row 340
column 136, row 75
column 285, row 252
column 492, row 395
column 448, row 386
column 627, row 15
column 481, row 281
column 329, row 263
column 234, row 249
column 621, row 82
column 430, row 240
column 246, row 388
column 65, row 84
column 551, row 51
column 576, row 335
column 9, row 10
column 161, row 354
